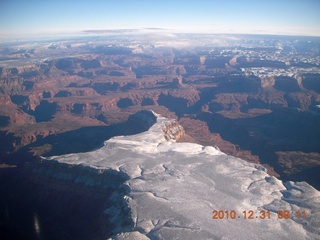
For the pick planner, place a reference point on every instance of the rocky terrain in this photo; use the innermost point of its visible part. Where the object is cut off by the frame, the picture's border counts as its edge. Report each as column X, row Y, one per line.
column 148, row 186
column 71, row 95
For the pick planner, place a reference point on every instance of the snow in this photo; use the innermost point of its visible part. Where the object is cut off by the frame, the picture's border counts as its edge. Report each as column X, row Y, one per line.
column 174, row 188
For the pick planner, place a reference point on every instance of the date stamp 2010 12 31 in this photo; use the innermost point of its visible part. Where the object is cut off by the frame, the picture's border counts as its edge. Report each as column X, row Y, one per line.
column 262, row 214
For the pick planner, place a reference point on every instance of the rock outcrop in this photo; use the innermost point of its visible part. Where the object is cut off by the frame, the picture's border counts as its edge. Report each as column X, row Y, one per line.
column 173, row 131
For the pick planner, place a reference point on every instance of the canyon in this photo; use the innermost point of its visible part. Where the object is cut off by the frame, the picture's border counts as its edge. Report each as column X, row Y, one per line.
column 253, row 97
column 206, row 89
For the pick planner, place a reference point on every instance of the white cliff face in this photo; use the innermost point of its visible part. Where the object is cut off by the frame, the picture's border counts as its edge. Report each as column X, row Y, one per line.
column 175, row 187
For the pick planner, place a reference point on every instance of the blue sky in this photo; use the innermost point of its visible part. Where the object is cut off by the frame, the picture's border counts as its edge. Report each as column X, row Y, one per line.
column 19, row 18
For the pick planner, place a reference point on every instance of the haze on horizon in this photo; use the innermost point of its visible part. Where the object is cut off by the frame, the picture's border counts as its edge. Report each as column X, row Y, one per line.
column 37, row 18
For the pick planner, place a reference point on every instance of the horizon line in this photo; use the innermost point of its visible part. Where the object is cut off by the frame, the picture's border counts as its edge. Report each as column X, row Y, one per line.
column 136, row 31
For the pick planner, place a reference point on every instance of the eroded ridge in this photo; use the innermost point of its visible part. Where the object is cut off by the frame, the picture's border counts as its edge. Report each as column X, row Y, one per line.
column 172, row 188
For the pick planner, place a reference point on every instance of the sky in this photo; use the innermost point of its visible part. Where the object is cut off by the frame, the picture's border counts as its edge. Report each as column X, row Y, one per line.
column 23, row 18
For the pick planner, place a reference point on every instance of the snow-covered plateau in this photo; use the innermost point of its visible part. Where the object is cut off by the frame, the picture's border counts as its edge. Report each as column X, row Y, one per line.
column 188, row 191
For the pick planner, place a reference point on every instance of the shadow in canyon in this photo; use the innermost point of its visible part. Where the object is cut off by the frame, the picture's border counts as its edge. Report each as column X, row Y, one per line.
column 281, row 130
column 80, row 140
column 49, row 200
column 34, row 204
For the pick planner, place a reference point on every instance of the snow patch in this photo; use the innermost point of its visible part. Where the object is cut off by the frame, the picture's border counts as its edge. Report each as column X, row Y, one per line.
column 174, row 187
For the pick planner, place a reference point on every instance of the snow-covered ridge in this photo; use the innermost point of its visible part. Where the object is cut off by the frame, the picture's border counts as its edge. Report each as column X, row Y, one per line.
column 175, row 187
